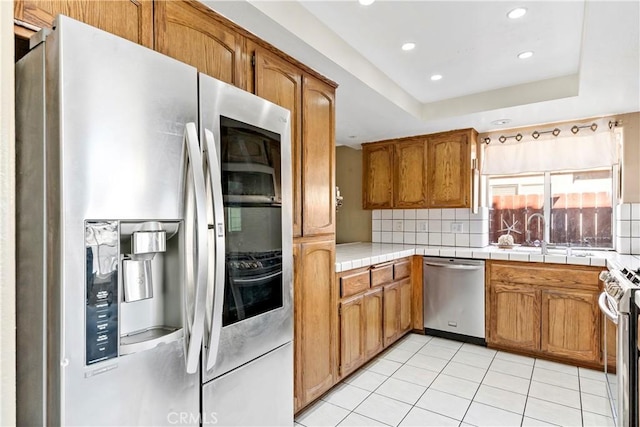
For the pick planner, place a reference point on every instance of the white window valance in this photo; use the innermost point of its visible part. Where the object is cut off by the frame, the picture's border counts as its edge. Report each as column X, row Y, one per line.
column 585, row 150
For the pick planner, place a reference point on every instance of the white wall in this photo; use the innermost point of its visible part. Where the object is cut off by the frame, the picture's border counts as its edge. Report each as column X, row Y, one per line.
column 7, row 219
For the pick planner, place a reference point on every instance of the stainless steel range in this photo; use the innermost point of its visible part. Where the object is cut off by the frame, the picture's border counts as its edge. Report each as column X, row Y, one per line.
column 617, row 304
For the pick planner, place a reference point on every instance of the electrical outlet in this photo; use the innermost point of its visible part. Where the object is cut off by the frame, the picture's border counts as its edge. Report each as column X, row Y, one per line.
column 398, row 225
column 457, row 227
column 421, row 226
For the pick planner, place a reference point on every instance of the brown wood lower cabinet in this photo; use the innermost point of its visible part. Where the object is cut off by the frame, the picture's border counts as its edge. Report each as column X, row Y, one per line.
column 373, row 339
column 376, row 316
column 315, row 329
column 545, row 310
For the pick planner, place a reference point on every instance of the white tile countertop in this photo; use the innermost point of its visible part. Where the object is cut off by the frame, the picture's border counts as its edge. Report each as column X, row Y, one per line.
column 355, row 255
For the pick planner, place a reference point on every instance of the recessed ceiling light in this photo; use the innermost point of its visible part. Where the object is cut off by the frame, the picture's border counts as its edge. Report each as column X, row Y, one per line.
column 436, row 77
column 525, row 55
column 516, row 13
column 501, row 122
column 409, row 46
column 365, row 2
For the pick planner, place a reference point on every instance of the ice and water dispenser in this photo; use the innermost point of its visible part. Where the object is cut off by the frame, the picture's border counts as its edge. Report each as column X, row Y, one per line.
column 133, row 287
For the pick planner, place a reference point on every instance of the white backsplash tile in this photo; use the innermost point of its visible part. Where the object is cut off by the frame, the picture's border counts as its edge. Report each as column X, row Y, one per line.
column 422, row 213
column 435, row 239
column 409, row 238
column 624, row 211
column 435, row 226
column 635, row 211
column 462, row 240
column 386, row 237
column 435, row 213
column 624, row 228
column 387, row 214
column 422, row 239
column 386, row 225
column 376, row 225
column 446, row 226
column 462, row 214
column 409, row 214
column 398, row 237
column 448, row 214
column 448, row 239
column 375, row 237
column 410, row 225
column 376, row 214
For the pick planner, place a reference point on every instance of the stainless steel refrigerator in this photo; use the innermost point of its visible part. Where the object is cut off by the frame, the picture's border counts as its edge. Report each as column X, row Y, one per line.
column 154, row 241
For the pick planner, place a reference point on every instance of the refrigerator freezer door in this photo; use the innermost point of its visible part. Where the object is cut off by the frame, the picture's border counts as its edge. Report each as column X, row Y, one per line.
column 256, row 394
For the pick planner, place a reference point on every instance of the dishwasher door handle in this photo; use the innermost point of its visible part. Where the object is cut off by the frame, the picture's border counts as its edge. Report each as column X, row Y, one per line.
column 455, row 266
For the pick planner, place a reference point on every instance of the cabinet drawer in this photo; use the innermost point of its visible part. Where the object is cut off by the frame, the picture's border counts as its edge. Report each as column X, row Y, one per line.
column 401, row 269
column 585, row 278
column 354, row 283
column 381, row 274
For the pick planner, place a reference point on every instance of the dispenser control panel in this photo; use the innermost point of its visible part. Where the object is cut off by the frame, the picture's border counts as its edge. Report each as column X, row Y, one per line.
column 101, row 315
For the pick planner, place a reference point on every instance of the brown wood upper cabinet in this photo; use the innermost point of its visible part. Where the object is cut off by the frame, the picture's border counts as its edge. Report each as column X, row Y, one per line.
column 130, row 19
column 192, row 33
column 449, row 169
column 312, row 106
column 377, row 169
column 545, row 310
column 280, row 82
column 428, row 171
column 410, row 174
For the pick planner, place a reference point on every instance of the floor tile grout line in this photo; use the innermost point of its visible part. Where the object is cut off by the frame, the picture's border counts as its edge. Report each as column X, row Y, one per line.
column 479, row 385
column 526, row 400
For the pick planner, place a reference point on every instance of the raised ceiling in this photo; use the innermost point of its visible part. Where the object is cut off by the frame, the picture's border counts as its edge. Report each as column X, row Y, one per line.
column 586, row 60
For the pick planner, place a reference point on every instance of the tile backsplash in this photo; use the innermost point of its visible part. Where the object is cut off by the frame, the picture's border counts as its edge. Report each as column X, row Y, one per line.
column 628, row 228
column 438, row 227
column 461, row 228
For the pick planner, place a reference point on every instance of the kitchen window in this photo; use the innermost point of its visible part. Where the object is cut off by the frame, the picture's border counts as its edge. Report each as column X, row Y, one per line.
column 561, row 190
column 573, row 208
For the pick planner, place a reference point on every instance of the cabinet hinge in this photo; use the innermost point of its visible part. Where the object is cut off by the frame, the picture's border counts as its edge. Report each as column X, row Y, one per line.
column 253, row 60
column 340, row 311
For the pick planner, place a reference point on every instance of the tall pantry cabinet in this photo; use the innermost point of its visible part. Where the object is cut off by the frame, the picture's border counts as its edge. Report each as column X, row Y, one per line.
column 312, row 104
column 192, row 33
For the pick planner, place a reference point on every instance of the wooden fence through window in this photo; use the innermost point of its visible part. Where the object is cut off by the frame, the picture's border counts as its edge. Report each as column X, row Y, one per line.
column 581, row 219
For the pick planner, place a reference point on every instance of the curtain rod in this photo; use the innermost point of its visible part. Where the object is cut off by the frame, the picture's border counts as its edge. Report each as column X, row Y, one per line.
column 555, row 132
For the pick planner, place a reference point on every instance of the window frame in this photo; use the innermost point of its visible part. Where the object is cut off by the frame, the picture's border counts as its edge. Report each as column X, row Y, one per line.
column 615, row 195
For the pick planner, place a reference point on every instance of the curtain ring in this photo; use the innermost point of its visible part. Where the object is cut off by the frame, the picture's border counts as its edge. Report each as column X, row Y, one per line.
column 535, row 134
column 556, row 132
column 487, row 140
column 575, row 129
column 594, row 127
column 502, row 138
column 518, row 137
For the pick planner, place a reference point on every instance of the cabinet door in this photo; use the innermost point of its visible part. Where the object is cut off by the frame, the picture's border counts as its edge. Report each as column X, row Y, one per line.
column 373, row 339
column 391, row 304
column 352, row 335
column 129, row 19
column 449, row 170
column 316, row 316
column 515, row 316
column 280, row 82
column 611, row 336
column 404, row 317
column 377, row 176
column 571, row 324
column 192, row 33
column 318, row 158
column 410, row 175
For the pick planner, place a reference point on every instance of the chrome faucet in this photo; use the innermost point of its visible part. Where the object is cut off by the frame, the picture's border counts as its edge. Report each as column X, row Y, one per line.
column 543, row 244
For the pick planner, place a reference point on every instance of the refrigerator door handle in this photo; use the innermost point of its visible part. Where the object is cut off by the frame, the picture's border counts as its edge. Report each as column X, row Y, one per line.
column 196, row 250
column 217, row 238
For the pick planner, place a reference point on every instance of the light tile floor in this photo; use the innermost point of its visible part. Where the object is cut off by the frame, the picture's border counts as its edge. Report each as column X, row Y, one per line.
column 430, row 381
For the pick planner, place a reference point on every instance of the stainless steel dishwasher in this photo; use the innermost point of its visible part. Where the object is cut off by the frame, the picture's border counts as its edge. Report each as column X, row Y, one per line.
column 454, row 298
